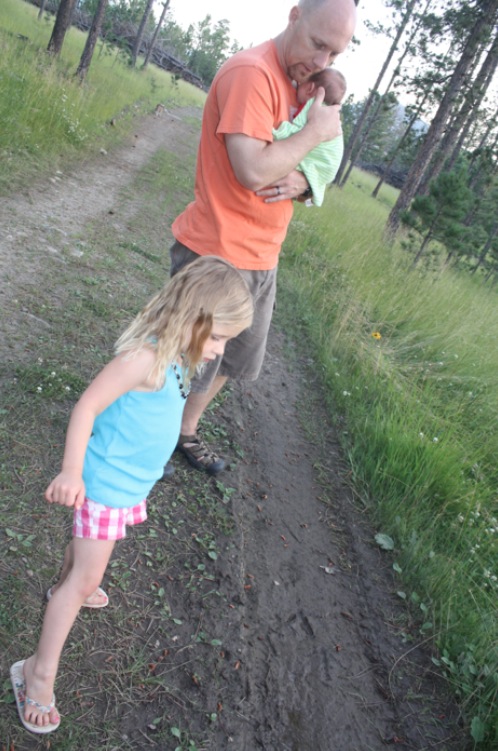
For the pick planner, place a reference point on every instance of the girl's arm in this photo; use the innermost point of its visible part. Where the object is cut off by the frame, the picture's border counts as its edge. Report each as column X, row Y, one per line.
column 115, row 379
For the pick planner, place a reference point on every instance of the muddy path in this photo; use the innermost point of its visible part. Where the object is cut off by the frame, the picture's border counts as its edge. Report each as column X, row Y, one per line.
column 319, row 654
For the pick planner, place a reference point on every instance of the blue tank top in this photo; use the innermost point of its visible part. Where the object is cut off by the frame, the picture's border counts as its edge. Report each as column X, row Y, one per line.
column 132, row 440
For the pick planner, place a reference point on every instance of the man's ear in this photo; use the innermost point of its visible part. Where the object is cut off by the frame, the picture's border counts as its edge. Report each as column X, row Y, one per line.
column 294, row 15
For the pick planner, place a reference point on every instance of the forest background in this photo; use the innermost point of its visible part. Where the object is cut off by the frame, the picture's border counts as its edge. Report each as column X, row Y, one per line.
column 404, row 302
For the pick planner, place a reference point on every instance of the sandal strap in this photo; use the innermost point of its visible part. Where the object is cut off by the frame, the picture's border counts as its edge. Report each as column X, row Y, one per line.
column 196, row 446
column 43, row 708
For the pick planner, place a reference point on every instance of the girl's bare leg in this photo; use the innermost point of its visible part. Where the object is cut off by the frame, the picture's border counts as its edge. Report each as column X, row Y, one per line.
column 89, row 560
column 96, row 597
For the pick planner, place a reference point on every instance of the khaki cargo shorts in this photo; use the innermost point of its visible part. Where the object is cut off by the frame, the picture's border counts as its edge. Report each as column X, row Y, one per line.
column 243, row 355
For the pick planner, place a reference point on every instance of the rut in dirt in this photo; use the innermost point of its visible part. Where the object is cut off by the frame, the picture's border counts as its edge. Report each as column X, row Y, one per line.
column 319, row 632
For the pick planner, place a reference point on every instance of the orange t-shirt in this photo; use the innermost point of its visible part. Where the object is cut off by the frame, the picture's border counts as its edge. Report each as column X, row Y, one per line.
column 250, row 94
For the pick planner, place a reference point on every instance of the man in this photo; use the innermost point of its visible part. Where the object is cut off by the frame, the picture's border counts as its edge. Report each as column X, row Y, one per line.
column 245, row 182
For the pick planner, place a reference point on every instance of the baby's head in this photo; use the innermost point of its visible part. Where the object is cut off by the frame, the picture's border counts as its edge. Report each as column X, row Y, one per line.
column 330, row 79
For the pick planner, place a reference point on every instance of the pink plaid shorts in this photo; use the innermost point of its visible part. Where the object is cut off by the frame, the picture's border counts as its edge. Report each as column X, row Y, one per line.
column 94, row 521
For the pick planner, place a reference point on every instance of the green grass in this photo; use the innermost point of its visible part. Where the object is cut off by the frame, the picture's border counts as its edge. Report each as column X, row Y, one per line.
column 47, row 116
column 418, row 407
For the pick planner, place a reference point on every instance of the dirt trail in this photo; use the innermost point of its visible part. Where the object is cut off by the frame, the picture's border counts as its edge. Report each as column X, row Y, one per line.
column 320, row 631
column 314, row 626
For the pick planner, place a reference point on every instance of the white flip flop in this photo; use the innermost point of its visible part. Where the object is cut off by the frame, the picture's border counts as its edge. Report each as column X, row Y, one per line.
column 19, row 686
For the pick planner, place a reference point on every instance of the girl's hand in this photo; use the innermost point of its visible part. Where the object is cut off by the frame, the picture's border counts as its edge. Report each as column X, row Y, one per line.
column 67, row 489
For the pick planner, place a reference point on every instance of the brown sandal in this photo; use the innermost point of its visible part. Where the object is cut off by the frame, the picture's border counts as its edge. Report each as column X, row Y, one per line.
column 199, row 455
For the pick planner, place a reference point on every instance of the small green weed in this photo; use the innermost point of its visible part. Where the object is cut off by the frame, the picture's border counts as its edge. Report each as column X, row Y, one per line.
column 45, row 381
column 202, row 638
column 185, row 742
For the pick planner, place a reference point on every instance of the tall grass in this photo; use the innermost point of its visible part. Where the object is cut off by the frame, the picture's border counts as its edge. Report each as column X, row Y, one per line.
column 410, row 359
column 47, row 116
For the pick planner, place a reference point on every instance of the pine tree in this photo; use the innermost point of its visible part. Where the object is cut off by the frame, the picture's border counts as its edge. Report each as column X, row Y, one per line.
column 91, row 40
column 156, row 32
column 439, row 216
column 61, row 25
column 137, row 44
column 385, row 100
column 374, row 91
column 455, row 134
column 483, row 23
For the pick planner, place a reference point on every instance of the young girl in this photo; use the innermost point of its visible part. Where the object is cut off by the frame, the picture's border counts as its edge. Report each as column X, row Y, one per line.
column 121, row 433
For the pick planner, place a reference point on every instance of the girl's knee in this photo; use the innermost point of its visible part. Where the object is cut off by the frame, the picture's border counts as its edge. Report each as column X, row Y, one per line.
column 83, row 583
column 90, row 563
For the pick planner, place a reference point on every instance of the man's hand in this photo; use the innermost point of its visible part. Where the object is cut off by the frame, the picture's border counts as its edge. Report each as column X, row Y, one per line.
column 291, row 186
column 325, row 121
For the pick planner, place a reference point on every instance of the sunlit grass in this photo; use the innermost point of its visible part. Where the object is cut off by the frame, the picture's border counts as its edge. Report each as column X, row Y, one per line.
column 47, row 115
column 409, row 358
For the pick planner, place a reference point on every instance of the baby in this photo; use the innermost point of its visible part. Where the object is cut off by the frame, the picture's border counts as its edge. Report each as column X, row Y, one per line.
column 321, row 164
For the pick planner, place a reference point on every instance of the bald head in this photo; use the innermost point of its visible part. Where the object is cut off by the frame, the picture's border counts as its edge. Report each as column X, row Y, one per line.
column 307, row 5
column 342, row 11
column 318, row 31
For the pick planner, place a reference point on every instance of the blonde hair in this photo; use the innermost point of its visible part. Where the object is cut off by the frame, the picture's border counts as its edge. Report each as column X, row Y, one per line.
column 179, row 319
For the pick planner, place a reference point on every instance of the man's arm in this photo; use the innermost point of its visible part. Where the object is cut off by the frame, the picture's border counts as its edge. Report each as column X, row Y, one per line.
column 258, row 164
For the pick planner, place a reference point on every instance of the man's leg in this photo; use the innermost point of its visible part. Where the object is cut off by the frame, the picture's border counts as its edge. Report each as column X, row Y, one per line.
column 243, row 358
column 190, row 442
column 196, row 405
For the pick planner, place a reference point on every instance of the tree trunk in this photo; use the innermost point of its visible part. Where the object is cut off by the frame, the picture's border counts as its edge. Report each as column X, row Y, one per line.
column 481, row 93
column 359, row 124
column 473, row 100
column 42, row 9
column 458, row 146
column 425, row 243
column 354, row 158
column 448, row 259
column 61, row 25
column 410, row 125
column 140, row 33
column 91, row 40
column 491, row 124
column 482, row 27
column 487, row 246
column 364, row 136
column 156, row 32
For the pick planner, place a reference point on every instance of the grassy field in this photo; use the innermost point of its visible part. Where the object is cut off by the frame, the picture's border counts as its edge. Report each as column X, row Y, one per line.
column 408, row 357
column 47, row 116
